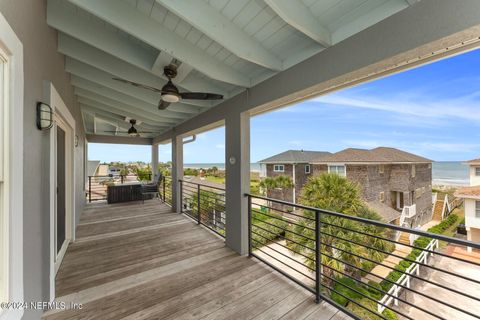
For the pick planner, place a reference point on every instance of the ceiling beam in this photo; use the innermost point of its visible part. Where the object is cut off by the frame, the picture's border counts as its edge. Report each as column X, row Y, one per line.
column 98, row 36
column 97, row 110
column 103, row 78
column 172, row 113
column 219, row 28
column 92, row 138
column 298, row 16
column 107, row 63
column 123, row 16
column 109, row 104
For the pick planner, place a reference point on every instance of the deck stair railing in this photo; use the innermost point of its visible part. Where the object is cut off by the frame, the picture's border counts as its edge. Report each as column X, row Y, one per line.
column 335, row 257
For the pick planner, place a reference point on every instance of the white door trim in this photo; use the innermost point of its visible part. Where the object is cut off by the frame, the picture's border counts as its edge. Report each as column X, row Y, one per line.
column 64, row 118
column 13, row 47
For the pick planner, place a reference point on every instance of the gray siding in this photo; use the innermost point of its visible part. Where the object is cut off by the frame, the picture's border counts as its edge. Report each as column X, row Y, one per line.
column 41, row 62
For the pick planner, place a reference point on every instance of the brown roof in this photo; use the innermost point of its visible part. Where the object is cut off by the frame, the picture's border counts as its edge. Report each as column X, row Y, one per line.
column 468, row 192
column 380, row 154
column 387, row 213
column 474, row 161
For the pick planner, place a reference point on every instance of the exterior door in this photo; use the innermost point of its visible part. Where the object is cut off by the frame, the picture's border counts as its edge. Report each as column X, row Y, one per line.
column 62, row 234
column 61, row 192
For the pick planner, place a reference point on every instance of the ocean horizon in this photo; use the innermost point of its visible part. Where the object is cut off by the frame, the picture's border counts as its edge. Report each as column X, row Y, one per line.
column 452, row 173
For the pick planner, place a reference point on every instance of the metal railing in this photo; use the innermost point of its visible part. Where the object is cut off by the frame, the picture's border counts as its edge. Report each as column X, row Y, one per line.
column 342, row 260
column 205, row 204
column 97, row 186
column 165, row 190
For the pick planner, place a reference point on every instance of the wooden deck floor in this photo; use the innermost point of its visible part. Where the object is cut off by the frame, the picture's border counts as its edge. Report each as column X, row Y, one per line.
column 135, row 261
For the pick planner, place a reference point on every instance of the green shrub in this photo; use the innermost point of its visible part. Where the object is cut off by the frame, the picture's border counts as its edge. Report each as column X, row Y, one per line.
column 347, row 287
column 375, row 291
column 267, row 229
column 367, row 315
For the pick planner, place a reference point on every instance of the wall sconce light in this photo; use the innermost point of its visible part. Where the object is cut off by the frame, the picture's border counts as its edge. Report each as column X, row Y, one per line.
column 44, row 116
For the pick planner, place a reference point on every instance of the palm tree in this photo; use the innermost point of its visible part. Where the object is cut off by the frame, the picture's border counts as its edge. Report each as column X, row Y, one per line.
column 335, row 193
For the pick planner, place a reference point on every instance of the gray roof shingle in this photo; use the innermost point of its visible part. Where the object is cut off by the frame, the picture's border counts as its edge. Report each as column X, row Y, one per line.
column 380, row 154
column 296, row 156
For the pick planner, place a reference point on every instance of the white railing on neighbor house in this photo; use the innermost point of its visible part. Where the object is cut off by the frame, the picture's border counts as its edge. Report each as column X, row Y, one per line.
column 446, row 207
column 404, row 280
column 434, row 198
column 408, row 212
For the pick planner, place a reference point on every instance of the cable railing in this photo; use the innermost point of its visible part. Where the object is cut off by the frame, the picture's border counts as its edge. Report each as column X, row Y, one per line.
column 347, row 261
column 205, row 204
column 97, row 186
column 165, row 190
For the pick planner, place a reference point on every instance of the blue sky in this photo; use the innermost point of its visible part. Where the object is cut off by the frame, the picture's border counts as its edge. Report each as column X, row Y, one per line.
column 432, row 110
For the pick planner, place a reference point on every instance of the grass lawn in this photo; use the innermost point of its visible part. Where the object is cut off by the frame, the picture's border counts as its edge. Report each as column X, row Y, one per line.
column 255, row 180
column 215, row 179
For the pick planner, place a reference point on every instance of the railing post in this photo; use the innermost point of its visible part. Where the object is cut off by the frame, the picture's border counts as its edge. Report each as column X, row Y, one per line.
column 122, row 179
column 199, row 218
column 318, row 258
column 164, row 187
column 89, row 188
column 249, row 225
column 181, row 196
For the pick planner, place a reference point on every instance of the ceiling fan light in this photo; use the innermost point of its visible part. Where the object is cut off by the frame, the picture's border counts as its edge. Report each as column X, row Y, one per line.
column 132, row 132
column 170, row 97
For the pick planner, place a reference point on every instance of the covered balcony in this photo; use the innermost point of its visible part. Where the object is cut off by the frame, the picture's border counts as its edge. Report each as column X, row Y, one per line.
column 158, row 73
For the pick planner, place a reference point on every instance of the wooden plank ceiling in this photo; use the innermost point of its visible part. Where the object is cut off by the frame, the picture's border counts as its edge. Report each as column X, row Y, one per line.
column 221, row 46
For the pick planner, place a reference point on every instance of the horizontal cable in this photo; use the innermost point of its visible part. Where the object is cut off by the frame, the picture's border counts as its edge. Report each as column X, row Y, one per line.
column 376, row 223
column 289, row 222
column 282, row 263
column 403, row 258
column 266, row 245
column 283, row 211
column 403, row 272
column 402, row 286
column 297, row 262
column 286, row 230
column 407, row 245
column 278, row 235
column 384, row 292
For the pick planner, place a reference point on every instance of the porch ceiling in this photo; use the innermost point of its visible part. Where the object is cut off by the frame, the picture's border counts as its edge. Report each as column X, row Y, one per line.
column 224, row 46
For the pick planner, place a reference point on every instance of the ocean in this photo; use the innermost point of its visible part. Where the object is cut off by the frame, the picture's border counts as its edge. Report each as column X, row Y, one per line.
column 454, row 173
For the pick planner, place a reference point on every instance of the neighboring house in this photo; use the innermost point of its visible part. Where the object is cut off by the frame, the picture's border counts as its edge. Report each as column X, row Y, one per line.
column 93, row 167
column 296, row 164
column 471, row 196
column 390, row 179
column 114, row 171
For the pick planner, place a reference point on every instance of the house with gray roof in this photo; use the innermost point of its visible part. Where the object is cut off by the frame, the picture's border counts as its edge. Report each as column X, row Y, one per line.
column 395, row 183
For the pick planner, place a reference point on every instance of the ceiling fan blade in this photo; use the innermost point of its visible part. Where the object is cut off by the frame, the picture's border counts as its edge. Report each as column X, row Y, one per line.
column 115, row 131
column 162, row 105
column 201, row 96
column 139, row 85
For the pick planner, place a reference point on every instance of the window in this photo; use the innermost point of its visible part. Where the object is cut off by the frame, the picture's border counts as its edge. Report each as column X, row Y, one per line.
column 279, row 168
column 413, row 171
column 381, row 168
column 340, row 170
column 477, row 209
column 307, row 169
column 477, row 171
column 382, row 196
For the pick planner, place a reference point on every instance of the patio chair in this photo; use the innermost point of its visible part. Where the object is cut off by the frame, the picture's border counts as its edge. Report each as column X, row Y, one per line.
column 151, row 188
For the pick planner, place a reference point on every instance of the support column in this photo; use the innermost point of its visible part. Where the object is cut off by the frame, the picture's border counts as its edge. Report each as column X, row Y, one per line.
column 177, row 172
column 154, row 160
column 237, row 162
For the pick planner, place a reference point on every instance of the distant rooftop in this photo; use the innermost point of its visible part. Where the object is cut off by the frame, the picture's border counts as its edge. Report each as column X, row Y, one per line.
column 474, row 161
column 468, row 192
column 380, row 154
column 296, row 156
